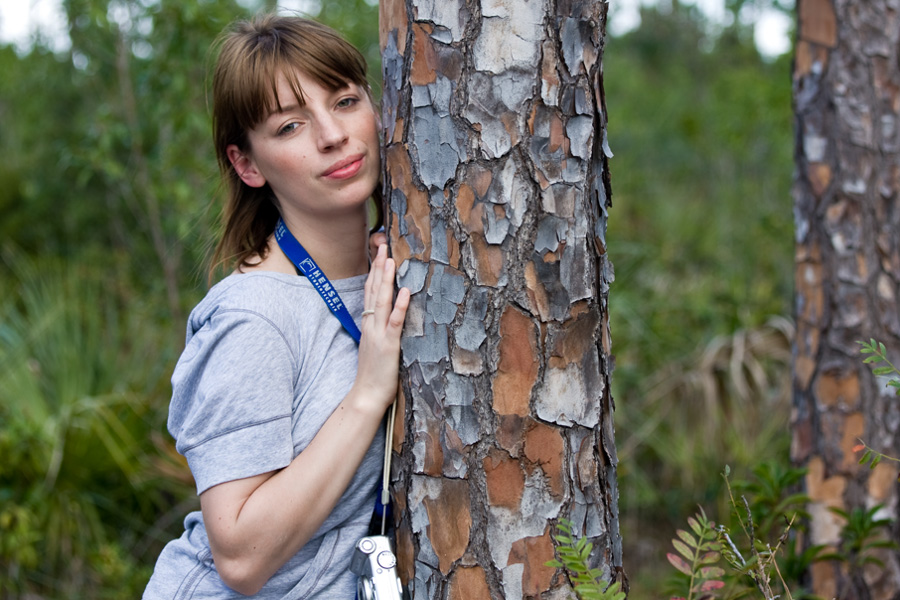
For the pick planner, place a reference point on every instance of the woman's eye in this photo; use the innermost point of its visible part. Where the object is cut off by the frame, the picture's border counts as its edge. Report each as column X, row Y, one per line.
column 288, row 128
column 347, row 102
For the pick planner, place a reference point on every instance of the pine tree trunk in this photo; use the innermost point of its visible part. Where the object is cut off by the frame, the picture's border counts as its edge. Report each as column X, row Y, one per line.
column 498, row 187
column 847, row 104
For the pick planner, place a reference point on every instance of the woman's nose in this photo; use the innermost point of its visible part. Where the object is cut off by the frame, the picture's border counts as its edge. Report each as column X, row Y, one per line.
column 332, row 132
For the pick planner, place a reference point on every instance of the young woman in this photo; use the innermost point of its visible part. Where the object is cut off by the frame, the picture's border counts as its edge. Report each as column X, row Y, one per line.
column 276, row 408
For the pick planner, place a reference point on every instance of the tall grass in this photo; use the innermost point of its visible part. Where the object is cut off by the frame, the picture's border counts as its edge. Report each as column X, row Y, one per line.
column 80, row 394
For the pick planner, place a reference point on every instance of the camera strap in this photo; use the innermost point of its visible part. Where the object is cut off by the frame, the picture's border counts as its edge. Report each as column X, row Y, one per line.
column 298, row 255
column 385, row 499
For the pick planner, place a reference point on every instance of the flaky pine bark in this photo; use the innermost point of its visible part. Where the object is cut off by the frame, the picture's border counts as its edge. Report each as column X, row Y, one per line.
column 847, row 103
column 497, row 180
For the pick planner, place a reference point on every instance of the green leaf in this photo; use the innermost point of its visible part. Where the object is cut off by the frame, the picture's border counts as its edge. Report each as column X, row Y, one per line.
column 585, row 552
column 709, row 558
column 789, row 500
column 831, row 556
column 871, row 560
column 883, row 370
column 683, row 548
column 679, row 563
column 695, row 525
column 688, row 538
column 881, row 544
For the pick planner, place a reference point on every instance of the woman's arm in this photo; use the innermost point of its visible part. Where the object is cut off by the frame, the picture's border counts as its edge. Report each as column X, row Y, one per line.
column 256, row 524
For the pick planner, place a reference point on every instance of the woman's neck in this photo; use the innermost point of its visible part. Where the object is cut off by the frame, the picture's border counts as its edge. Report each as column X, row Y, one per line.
column 339, row 247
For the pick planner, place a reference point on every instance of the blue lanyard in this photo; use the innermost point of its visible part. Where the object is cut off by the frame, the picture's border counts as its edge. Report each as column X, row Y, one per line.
column 304, row 262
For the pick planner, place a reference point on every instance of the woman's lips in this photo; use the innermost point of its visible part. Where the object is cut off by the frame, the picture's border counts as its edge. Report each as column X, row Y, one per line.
column 345, row 168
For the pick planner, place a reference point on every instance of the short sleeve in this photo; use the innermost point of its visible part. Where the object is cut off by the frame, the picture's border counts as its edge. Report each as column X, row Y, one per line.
column 232, row 392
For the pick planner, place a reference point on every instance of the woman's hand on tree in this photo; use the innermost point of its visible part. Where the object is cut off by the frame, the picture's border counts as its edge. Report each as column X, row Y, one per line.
column 379, row 347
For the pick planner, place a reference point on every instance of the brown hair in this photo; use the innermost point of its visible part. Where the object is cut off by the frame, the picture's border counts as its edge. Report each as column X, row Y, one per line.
column 253, row 54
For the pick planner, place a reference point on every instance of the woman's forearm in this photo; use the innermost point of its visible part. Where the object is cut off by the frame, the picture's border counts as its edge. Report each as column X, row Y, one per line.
column 255, row 525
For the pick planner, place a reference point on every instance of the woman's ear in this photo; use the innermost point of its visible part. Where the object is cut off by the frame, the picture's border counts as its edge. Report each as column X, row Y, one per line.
column 245, row 167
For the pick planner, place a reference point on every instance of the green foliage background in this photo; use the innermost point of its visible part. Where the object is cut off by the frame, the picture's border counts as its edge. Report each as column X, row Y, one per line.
column 701, row 235
column 108, row 207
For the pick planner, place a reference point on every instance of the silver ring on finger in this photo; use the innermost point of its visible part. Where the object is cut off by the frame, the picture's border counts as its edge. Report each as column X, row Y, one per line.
column 370, row 311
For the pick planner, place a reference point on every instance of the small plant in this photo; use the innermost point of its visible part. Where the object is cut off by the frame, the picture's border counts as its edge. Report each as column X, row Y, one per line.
column 862, row 533
column 871, row 456
column 574, row 558
column 771, row 497
column 762, row 562
column 698, row 555
column 877, row 354
column 767, row 558
column 773, row 504
column 754, row 565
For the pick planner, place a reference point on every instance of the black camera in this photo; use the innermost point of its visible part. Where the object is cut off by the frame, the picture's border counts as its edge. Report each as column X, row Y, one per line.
column 374, row 562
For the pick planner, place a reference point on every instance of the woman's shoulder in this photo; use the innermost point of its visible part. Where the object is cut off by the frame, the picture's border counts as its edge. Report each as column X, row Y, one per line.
column 253, row 287
column 272, row 296
column 284, row 300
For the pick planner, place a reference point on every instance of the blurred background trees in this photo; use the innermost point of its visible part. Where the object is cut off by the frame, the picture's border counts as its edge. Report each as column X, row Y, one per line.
column 108, row 206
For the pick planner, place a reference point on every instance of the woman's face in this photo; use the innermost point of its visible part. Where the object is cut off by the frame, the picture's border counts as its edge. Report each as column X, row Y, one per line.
column 322, row 159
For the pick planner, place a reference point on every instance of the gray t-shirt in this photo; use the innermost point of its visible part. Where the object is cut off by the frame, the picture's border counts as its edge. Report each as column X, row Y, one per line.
column 265, row 365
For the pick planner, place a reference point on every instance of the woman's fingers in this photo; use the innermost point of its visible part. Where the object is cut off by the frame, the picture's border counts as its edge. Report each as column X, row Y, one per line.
column 398, row 314
column 369, row 280
column 376, row 241
column 373, row 281
column 385, row 291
